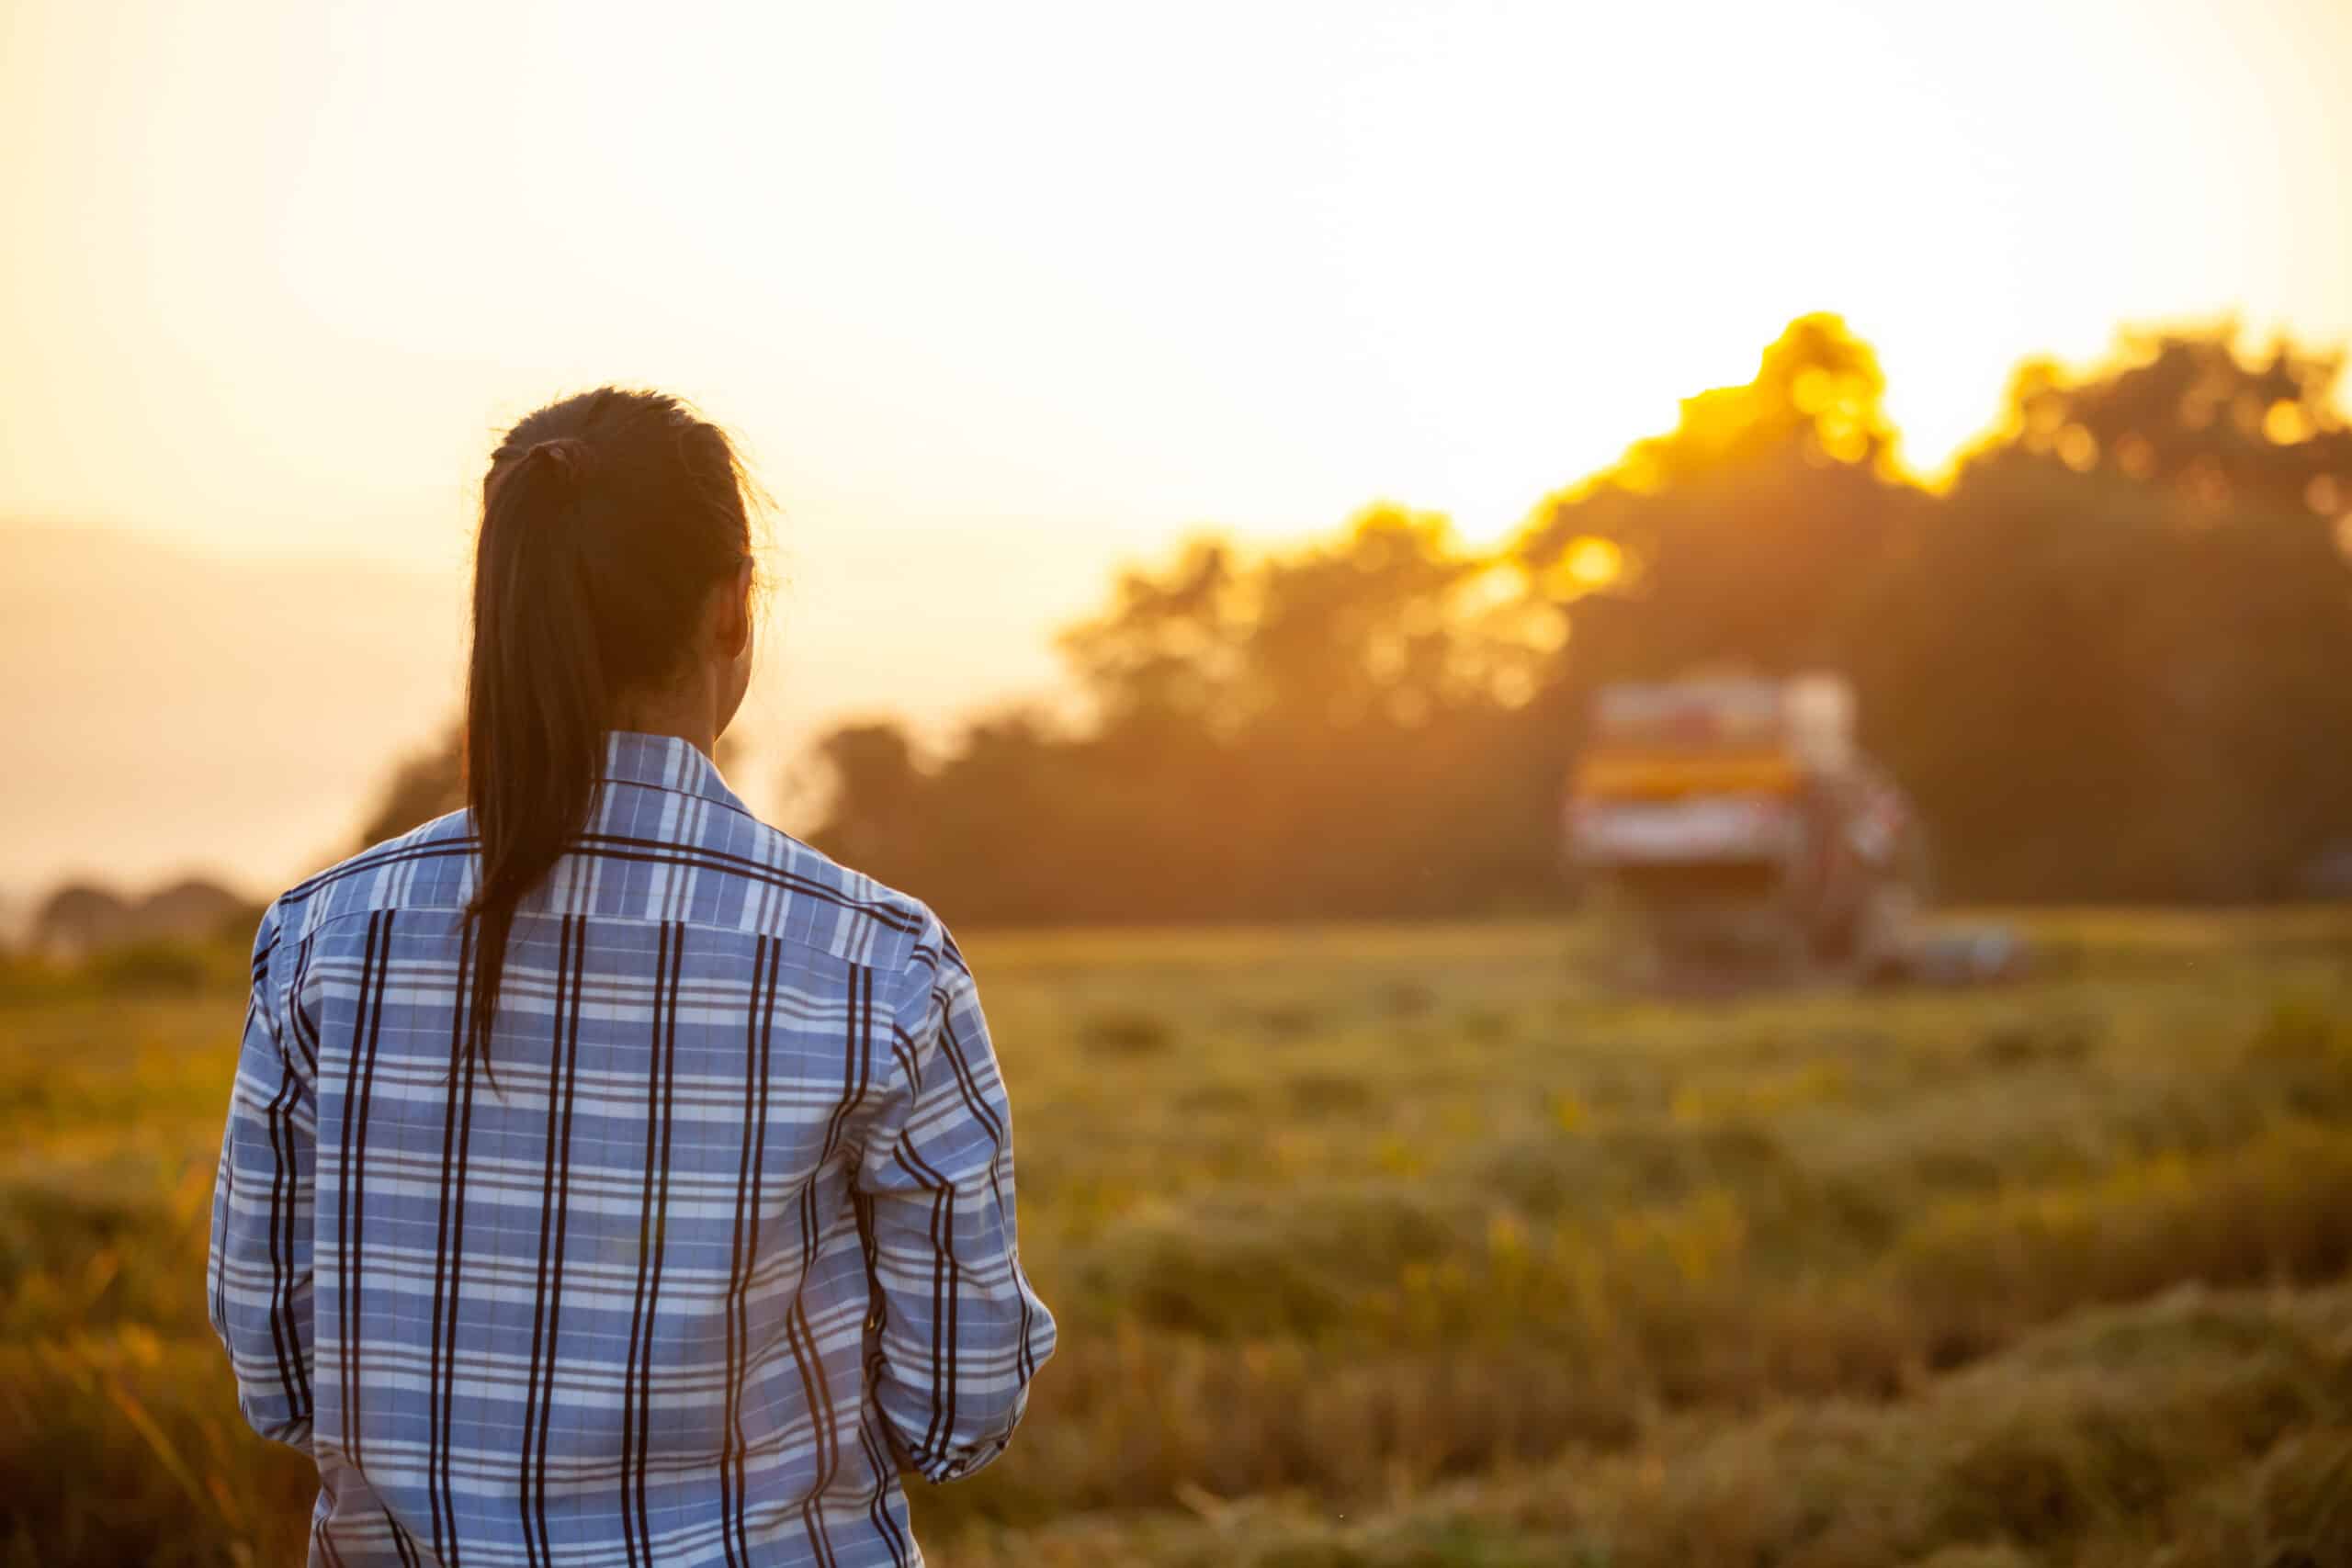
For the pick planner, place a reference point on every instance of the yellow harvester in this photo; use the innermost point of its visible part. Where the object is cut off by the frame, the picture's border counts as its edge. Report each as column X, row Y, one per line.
column 1736, row 832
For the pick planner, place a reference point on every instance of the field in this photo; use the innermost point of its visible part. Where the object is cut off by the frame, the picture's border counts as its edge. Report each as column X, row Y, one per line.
column 1407, row 1246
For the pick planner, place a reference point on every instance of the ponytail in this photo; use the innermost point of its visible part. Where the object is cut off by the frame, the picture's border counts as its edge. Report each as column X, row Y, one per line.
column 607, row 519
column 535, row 702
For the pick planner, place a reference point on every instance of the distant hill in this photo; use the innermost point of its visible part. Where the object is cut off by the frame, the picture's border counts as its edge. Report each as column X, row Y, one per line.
column 166, row 708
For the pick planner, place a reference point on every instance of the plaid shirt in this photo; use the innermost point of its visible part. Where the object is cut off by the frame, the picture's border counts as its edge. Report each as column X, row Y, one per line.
column 720, row 1238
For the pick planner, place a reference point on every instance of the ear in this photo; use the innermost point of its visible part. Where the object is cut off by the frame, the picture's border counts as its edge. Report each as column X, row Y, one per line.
column 731, row 612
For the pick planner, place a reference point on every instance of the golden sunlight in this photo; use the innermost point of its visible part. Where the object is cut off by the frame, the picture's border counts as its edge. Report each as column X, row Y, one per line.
column 279, row 272
column 1588, row 564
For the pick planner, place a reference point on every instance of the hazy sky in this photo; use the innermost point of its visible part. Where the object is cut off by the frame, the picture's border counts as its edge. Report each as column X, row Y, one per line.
column 998, row 295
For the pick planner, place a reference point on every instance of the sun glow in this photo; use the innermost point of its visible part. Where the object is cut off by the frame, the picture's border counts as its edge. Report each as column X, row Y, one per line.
column 1000, row 298
column 1586, row 565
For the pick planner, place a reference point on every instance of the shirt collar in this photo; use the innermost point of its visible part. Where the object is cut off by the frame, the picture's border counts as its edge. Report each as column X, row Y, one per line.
column 664, row 762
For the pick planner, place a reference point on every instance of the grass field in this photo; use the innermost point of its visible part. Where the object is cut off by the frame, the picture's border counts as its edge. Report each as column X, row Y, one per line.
column 1404, row 1246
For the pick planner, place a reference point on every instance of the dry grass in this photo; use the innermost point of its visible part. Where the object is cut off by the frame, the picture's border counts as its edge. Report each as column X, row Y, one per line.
column 1410, row 1248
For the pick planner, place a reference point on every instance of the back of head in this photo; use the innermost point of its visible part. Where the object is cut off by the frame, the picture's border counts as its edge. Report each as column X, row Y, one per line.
column 607, row 519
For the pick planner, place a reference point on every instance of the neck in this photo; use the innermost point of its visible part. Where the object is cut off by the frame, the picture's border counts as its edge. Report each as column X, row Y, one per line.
column 689, row 716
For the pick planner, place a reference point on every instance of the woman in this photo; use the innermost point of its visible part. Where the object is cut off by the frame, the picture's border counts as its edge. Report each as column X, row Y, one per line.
column 611, row 1179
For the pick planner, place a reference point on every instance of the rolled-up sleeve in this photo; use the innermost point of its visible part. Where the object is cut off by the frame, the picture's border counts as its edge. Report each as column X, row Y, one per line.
column 260, row 1279
column 956, row 1333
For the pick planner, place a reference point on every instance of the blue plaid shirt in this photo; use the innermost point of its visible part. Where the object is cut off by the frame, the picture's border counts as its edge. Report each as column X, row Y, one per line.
column 719, row 1239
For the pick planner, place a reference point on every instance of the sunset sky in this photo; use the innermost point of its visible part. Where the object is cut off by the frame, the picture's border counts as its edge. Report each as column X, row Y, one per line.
column 998, row 295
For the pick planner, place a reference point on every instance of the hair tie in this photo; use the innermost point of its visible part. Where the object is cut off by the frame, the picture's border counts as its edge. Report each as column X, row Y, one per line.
column 564, row 452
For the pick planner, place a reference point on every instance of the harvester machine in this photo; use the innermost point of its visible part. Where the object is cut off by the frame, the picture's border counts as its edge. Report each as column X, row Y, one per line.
column 1734, row 834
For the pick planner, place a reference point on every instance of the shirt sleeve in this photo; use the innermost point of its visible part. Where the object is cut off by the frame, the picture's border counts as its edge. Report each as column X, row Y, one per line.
column 956, row 1333
column 260, row 1279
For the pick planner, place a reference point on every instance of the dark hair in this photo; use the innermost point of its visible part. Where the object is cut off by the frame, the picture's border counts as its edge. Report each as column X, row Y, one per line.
column 606, row 518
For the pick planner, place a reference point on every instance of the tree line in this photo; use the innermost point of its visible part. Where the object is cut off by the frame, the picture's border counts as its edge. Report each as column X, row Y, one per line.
column 2109, row 660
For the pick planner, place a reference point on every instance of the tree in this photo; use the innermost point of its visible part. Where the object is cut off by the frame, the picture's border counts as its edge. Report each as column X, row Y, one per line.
column 2184, row 411
column 429, row 781
column 1283, row 736
column 1745, row 534
column 2119, row 653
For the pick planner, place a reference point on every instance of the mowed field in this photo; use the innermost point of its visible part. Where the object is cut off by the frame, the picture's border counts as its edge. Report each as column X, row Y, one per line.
column 1411, row 1246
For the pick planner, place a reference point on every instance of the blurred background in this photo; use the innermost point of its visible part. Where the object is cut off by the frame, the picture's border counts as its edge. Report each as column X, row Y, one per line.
column 1378, row 558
